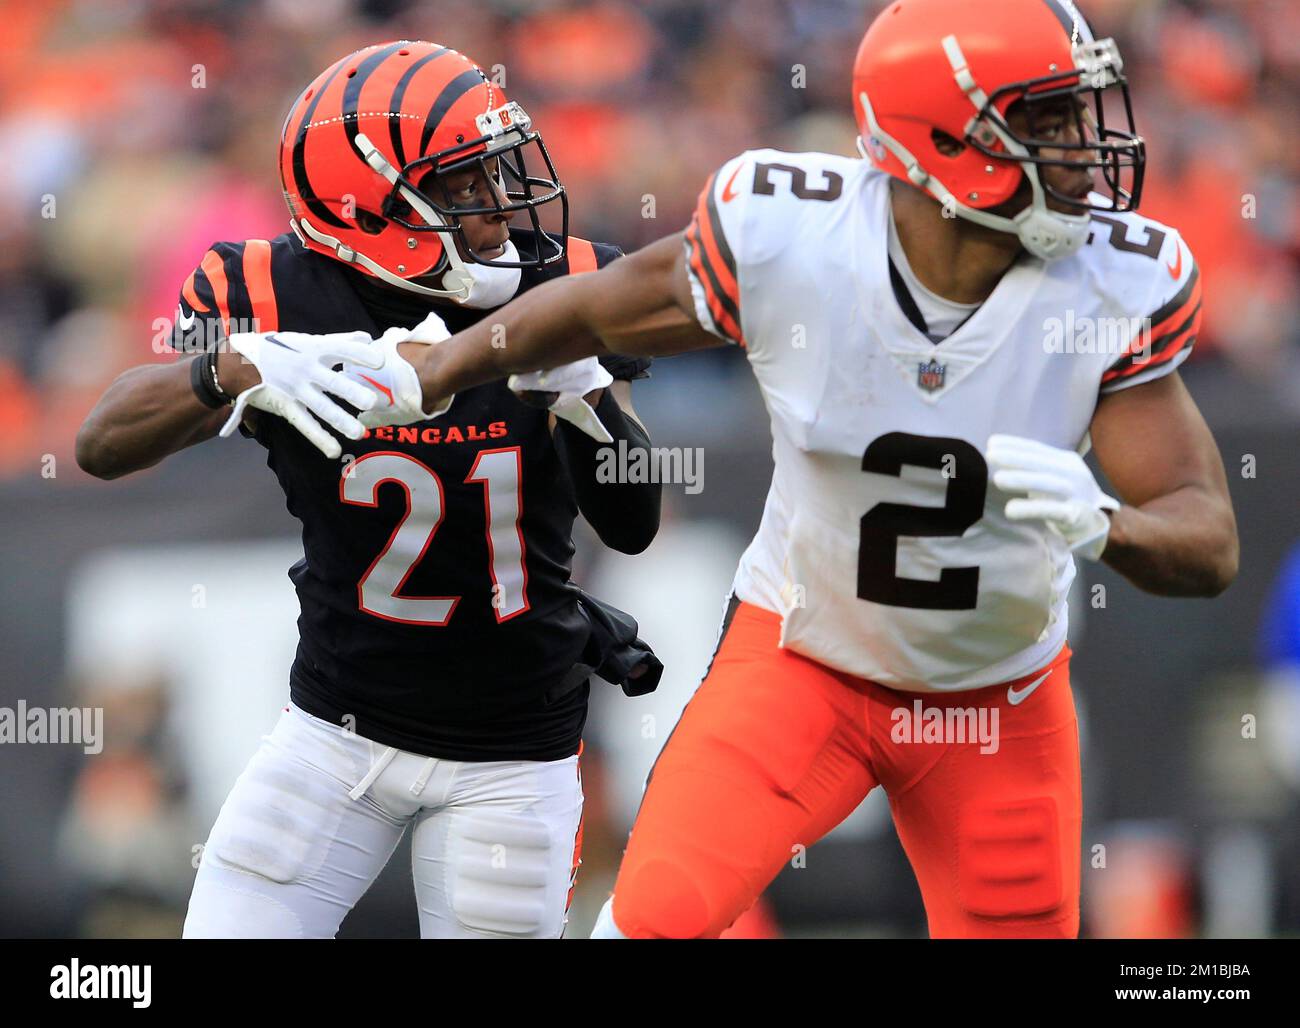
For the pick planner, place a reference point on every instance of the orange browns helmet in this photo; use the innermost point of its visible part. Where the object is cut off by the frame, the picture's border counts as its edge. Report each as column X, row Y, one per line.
column 364, row 152
column 957, row 66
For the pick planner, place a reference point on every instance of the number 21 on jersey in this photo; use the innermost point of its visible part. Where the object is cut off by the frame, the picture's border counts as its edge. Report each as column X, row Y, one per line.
column 499, row 473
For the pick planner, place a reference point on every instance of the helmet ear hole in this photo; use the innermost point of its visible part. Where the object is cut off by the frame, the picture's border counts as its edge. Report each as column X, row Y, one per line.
column 949, row 146
column 369, row 222
column 398, row 207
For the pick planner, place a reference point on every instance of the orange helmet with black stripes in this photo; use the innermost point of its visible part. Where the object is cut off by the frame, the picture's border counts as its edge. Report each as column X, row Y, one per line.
column 364, row 152
column 929, row 69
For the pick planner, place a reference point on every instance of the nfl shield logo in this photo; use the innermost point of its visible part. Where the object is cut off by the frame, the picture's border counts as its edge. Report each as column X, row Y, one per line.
column 929, row 375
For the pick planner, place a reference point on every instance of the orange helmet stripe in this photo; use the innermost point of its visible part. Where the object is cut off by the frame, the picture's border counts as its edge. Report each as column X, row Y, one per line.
column 450, row 93
column 398, row 97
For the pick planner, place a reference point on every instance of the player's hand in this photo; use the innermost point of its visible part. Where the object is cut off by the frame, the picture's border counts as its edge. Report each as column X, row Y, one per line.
column 297, row 372
column 400, row 395
column 1059, row 488
column 563, row 392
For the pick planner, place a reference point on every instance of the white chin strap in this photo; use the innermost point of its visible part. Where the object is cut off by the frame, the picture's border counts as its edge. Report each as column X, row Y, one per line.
column 466, row 283
column 1045, row 233
column 489, row 286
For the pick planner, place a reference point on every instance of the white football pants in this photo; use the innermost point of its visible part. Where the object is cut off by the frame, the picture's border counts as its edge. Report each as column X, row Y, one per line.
column 319, row 810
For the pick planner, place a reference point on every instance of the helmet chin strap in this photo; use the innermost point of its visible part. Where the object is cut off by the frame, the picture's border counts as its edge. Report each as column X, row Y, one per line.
column 488, row 286
column 1045, row 233
column 469, row 284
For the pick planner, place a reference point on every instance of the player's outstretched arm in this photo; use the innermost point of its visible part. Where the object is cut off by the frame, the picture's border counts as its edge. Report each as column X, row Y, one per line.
column 150, row 412
column 639, row 305
column 1176, row 534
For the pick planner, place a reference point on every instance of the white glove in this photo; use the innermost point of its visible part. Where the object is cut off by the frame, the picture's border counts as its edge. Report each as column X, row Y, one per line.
column 1061, row 491
column 297, row 372
column 400, row 396
column 571, row 382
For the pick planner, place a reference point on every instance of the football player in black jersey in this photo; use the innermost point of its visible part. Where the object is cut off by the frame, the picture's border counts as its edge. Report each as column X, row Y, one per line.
column 441, row 678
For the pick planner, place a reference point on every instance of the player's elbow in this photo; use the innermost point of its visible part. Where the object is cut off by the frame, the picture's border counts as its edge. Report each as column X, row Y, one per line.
column 636, row 530
column 1225, row 563
column 94, row 453
column 1216, row 568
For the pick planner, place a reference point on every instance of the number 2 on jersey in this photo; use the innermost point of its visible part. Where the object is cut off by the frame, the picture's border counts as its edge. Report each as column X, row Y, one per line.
column 377, row 592
column 968, row 478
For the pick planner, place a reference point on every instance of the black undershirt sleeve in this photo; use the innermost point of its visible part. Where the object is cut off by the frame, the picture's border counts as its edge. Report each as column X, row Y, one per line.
column 624, row 514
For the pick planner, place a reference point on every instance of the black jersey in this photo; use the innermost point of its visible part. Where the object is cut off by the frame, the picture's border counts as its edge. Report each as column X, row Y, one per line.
column 436, row 610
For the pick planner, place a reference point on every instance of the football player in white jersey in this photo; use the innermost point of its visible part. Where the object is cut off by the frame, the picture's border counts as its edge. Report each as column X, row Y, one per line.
column 940, row 330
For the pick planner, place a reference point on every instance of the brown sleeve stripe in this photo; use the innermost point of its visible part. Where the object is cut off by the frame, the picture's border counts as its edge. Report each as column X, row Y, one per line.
column 716, row 251
column 257, row 281
column 1167, row 335
column 1115, row 375
column 1162, row 348
column 718, row 238
column 1191, row 291
column 712, row 262
column 1174, row 313
column 720, row 307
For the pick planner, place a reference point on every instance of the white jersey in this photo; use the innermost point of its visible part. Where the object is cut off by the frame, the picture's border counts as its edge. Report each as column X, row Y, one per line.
column 883, row 544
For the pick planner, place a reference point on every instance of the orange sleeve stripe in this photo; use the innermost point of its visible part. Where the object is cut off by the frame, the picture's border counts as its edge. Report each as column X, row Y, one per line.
column 726, row 279
column 701, row 275
column 257, row 280
column 713, row 268
column 709, row 257
column 191, row 297
column 1166, row 324
column 721, row 316
column 1170, row 349
column 582, row 256
column 215, row 269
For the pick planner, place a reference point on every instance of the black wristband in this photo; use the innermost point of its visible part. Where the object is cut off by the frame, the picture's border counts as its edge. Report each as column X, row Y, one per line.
column 203, row 382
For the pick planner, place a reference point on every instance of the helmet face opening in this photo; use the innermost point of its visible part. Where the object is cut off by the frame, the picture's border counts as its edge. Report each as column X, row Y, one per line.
column 514, row 187
column 1075, row 99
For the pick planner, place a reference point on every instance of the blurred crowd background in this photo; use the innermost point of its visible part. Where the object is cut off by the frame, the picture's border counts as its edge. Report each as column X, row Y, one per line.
column 135, row 133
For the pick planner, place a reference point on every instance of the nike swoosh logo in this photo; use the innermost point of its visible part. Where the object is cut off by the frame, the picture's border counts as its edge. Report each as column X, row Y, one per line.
column 279, row 342
column 729, row 194
column 185, row 321
column 378, row 385
column 1018, row 696
column 1176, row 269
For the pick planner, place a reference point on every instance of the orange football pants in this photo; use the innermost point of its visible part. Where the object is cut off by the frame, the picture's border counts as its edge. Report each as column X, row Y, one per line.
column 774, row 750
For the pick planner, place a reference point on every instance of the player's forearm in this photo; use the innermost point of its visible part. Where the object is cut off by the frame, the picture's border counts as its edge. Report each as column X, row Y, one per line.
column 1182, row 544
column 148, row 413
column 544, row 328
column 639, row 305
